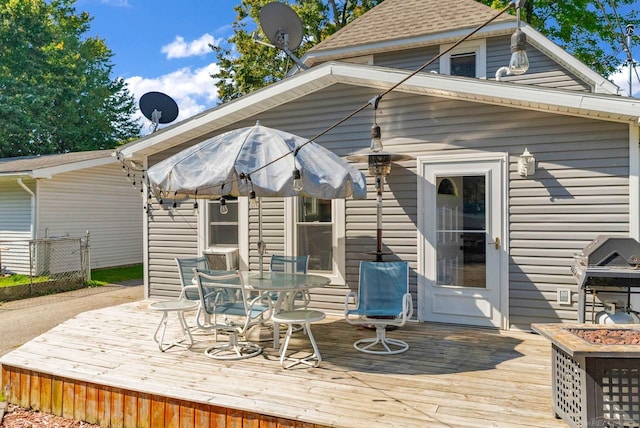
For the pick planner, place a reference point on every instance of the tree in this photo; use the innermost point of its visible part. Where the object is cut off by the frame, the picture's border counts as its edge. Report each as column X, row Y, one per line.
column 56, row 94
column 591, row 30
column 247, row 65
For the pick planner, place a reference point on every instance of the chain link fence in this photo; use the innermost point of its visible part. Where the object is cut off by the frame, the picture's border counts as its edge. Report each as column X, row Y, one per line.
column 63, row 260
column 52, row 264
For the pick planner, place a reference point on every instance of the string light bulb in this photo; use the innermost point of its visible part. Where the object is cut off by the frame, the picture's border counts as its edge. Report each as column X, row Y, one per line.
column 224, row 209
column 253, row 201
column 297, row 180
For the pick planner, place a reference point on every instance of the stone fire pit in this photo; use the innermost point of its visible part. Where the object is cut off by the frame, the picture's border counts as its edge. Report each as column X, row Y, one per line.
column 596, row 373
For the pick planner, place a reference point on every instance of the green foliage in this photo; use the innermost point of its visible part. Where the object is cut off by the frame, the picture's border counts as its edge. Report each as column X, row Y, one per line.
column 591, row 30
column 56, row 94
column 246, row 65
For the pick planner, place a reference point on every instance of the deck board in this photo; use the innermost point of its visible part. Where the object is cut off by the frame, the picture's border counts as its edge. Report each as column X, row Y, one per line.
column 103, row 366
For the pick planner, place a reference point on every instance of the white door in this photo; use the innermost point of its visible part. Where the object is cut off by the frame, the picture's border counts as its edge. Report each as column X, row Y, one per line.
column 462, row 225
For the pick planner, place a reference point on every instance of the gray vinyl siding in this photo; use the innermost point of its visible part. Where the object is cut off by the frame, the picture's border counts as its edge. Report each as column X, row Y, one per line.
column 580, row 189
column 543, row 71
column 15, row 224
column 410, row 59
column 99, row 200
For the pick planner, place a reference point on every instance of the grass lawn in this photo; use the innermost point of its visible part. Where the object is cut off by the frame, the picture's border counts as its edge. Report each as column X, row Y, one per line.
column 114, row 275
column 98, row 276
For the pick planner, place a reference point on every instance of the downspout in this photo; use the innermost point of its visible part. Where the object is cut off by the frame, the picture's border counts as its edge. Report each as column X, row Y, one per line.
column 33, row 207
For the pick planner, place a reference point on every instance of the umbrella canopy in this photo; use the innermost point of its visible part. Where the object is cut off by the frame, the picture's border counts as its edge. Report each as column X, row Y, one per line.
column 256, row 158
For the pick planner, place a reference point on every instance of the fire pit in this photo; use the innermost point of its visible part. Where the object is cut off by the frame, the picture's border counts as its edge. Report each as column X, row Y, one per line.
column 596, row 374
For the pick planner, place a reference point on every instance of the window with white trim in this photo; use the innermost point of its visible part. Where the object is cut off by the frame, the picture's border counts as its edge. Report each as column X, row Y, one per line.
column 467, row 59
column 319, row 231
column 223, row 228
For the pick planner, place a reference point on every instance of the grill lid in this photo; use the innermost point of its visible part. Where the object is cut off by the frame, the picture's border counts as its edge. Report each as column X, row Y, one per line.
column 608, row 250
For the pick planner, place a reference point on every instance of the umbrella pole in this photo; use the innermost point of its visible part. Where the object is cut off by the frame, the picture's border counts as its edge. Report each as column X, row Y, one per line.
column 261, row 245
column 379, row 219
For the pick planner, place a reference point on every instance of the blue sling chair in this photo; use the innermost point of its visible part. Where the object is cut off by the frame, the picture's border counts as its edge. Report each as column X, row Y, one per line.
column 382, row 300
column 232, row 310
column 189, row 290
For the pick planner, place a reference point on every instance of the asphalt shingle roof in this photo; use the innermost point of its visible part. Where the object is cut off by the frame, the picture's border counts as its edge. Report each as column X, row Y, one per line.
column 31, row 163
column 404, row 19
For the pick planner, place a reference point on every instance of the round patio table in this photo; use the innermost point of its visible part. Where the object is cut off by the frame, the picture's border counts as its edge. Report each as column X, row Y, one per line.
column 282, row 283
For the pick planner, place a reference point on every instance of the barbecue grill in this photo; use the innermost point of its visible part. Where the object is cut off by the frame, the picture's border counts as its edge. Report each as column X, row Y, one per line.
column 607, row 268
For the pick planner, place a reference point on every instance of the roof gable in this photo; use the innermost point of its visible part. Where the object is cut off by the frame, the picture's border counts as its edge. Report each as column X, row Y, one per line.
column 599, row 106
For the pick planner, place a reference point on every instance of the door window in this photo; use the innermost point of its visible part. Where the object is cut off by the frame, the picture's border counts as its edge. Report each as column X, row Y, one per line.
column 461, row 229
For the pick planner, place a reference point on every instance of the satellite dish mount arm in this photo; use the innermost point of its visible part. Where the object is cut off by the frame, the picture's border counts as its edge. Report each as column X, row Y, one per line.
column 285, row 48
column 156, row 115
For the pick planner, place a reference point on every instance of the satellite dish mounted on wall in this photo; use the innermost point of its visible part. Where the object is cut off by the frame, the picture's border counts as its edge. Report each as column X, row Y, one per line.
column 283, row 28
column 158, row 108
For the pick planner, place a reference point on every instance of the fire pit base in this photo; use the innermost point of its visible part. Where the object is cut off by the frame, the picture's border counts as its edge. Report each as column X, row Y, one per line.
column 594, row 385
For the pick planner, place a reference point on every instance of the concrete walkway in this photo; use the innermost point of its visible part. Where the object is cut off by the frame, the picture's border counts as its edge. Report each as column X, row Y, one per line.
column 23, row 320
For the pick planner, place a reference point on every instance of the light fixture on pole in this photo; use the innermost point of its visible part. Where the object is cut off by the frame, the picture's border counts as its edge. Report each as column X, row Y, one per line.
column 379, row 164
column 526, row 164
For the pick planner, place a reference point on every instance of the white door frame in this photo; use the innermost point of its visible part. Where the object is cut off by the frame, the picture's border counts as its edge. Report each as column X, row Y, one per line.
column 423, row 224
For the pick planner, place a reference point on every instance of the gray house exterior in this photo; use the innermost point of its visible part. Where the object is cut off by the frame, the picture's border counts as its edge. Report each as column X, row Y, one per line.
column 487, row 246
column 68, row 195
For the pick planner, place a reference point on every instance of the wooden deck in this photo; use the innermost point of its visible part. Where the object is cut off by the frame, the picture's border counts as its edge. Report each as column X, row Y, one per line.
column 103, row 367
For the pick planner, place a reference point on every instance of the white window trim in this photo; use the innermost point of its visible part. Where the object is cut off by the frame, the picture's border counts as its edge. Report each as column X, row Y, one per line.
column 339, row 236
column 243, row 232
column 477, row 47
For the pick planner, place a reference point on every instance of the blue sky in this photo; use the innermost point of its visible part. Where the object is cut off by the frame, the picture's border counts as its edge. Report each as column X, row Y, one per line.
column 163, row 46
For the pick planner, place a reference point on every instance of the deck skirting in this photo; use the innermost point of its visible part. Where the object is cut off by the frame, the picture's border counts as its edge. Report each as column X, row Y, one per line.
column 117, row 407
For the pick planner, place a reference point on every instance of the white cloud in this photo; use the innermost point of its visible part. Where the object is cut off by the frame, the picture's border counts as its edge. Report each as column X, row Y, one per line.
column 621, row 78
column 193, row 90
column 180, row 48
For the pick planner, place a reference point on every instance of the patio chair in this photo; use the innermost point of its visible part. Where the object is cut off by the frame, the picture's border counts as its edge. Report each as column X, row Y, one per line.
column 292, row 264
column 383, row 300
column 226, row 299
column 189, row 290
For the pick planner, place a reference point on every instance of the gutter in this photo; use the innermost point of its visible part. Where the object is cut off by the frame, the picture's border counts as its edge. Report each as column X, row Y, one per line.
column 33, row 206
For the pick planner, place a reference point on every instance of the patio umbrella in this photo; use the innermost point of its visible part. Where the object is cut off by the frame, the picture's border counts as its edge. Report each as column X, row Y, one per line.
column 256, row 158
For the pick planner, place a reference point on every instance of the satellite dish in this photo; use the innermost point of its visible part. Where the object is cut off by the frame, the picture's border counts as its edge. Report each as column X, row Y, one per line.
column 283, row 28
column 158, row 108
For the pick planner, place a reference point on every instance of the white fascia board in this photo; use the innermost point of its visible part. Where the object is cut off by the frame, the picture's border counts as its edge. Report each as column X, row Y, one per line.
column 543, row 44
column 11, row 175
column 74, row 166
column 261, row 100
column 400, row 44
column 613, row 108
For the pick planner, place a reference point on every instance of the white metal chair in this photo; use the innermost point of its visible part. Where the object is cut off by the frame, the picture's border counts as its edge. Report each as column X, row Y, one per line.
column 226, row 299
column 291, row 264
column 189, row 289
column 383, row 299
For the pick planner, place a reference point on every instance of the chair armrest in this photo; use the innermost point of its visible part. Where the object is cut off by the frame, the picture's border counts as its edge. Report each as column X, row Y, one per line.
column 269, row 303
column 354, row 296
column 407, row 305
column 183, row 293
